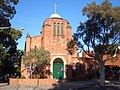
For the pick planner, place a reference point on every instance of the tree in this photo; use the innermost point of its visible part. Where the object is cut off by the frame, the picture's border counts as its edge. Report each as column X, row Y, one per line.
column 100, row 33
column 71, row 47
column 8, row 37
column 7, row 11
column 39, row 60
column 8, row 51
column 17, row 63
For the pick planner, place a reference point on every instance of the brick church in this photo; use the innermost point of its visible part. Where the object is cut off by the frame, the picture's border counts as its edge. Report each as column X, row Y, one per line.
column 55, row 34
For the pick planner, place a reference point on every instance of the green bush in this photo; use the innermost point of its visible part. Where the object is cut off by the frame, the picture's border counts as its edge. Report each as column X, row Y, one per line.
column 23, row 77
column 17, row 77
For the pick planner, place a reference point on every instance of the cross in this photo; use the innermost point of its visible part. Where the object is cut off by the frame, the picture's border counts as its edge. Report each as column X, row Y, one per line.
column 55, row 7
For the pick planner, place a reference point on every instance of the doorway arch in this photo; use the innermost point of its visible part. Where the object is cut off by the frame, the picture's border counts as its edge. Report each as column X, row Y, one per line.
column 58, row 68
column 51, row 64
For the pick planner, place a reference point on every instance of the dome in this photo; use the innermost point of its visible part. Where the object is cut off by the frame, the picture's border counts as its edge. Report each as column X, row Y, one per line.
column 55, row 15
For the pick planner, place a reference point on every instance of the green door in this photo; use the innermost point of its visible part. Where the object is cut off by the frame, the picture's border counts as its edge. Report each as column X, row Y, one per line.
column 58, row 70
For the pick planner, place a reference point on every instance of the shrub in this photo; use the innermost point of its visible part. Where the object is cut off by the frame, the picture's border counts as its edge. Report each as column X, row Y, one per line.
column 23, row 77
column 17, row 77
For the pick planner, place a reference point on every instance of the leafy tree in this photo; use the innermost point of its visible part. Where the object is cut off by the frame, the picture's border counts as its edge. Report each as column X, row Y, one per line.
column 100, row 33
column 71, row 47
column 17, row 62
column 39, row 60
column 9, row 55
column 8, row 37
column 7, row 11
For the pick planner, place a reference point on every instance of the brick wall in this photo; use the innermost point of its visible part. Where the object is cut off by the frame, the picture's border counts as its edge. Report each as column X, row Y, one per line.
column 32, row 82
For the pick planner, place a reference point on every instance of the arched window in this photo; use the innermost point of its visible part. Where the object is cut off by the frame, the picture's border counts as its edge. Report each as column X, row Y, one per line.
column 62, row 29
column 54, row 28
column 58, row 29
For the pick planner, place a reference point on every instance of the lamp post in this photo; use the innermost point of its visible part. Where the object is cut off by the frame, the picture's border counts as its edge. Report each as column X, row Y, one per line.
column 5, row 27
column 22, row 28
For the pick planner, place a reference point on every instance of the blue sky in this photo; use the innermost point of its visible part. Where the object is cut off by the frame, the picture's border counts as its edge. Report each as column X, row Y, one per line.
column 32, row 13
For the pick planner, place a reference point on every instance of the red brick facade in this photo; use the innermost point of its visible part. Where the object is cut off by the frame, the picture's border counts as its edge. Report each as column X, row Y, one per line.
column 32, row 82
column 55, row 34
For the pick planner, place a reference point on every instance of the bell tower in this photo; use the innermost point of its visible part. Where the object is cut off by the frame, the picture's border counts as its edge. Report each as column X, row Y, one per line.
column 56, row 33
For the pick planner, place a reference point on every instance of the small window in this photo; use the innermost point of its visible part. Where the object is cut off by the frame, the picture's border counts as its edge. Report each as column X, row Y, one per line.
column 62, row 29
column 54, row 28
column 58, row 27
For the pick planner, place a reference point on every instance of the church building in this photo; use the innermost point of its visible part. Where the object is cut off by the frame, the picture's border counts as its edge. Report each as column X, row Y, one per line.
column 54, row 36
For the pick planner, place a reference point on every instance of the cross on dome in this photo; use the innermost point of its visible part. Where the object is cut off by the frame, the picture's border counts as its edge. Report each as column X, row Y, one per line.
column 55, row 15
column 55, row 7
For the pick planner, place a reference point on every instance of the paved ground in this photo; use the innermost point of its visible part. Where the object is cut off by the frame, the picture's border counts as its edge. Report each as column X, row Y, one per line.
column 78, row 85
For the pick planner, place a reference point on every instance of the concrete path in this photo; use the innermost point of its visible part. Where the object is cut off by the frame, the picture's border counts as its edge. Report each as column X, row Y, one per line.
column 78, row 85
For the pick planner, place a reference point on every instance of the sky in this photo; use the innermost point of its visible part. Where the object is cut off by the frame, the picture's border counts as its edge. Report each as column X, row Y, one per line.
column 32, row 13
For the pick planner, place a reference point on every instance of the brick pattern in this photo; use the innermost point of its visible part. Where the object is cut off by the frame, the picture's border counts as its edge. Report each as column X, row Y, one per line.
column 32, row 82
column 55, row 44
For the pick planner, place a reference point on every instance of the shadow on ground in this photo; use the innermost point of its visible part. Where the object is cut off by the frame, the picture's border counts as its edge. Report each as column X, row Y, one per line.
column 84, row 85
column 65, row 85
